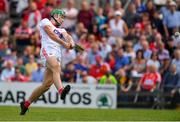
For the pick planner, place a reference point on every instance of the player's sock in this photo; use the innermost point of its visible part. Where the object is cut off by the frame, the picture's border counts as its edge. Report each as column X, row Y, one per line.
column 60, row 90
column 27, row 104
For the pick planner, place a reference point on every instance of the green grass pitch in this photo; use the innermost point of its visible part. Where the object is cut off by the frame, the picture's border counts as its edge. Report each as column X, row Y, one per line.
column 61, row 114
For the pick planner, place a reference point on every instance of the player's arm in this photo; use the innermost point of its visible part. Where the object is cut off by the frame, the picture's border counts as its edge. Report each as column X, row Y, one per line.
column 55, row 38
column 70, row 40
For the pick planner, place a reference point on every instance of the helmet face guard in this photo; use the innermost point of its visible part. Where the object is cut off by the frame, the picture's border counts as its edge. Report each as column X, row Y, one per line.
column 58, row 12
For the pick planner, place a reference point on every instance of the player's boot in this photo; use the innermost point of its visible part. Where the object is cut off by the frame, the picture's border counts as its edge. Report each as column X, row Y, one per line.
column 65, row 91
column 23, row 109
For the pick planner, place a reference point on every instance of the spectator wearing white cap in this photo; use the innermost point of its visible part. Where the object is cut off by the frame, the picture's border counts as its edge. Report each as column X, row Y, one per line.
column 118, row 25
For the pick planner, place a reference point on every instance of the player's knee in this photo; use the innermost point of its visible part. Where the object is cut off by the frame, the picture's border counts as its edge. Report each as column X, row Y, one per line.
column 56, row 68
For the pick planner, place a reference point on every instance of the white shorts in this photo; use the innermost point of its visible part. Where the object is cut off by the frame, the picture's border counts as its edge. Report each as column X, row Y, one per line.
column 50, row 51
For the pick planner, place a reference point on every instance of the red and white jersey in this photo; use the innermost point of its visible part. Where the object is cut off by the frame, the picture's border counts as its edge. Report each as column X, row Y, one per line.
column 149, row 80
column 46, row 41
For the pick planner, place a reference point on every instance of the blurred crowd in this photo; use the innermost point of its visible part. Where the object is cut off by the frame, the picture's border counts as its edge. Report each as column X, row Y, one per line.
column 138, row 44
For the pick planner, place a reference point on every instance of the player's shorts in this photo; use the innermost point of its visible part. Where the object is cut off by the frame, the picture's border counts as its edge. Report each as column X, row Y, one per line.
column 50, row 51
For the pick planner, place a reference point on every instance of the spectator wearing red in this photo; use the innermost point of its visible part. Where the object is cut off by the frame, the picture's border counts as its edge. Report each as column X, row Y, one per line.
column 85, row 15
column 4, row 9
column 40, row 4
column 18, row 76
column 111, row 60
column 45, row 12
column 100, row 68
column 149, row 80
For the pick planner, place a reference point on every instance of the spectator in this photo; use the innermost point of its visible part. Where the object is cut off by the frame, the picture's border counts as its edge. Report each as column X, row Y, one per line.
column 138, row 64
column 80, row 31
column 8, row 71
column 131, row 17
column 37, row 75
column 108, row 78
column 165, row 64
column 100, row 68
column 118, row 6
column 157, row 22
column 162, row 52
column 31, row 65
column 11, row 54
column 4, row 39
column 5, row 35
column 20, row 65
column 121, row 63
column 87, row 79
column 40, row 4
column 71, row 16
column 171, row 85
column 105, row 47
column 81, row 63
column 22, row 36
column 21, row 5
column 147, row 51
column 93, row 52
column 154, row 61
column 92, row 8
column 165, row 9
column 149, row 80
column 85, row 15
column 5, row 50
column 171, row 79
column 126, row 84
column 139, row 44
column 101, row 21
column 150, row 8
column 68, row 56
column 129, row 50
column 34, row 16
column 118, row 25
column 176, row 39
column 26, row 54
column 171, row 20
column 69, row 73
column 18, row 76
column 4, row 9
column 110, row 39
column 110, row 59
column 176, row 59
column 45, row 11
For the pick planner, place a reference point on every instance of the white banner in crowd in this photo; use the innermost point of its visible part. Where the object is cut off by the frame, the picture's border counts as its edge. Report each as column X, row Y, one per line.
column 80, row 96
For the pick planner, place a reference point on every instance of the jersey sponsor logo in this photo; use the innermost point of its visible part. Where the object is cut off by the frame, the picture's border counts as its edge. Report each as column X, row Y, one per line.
column 58, row 33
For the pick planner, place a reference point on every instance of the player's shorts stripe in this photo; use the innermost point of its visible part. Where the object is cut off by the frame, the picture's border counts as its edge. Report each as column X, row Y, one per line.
column 44, row 53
